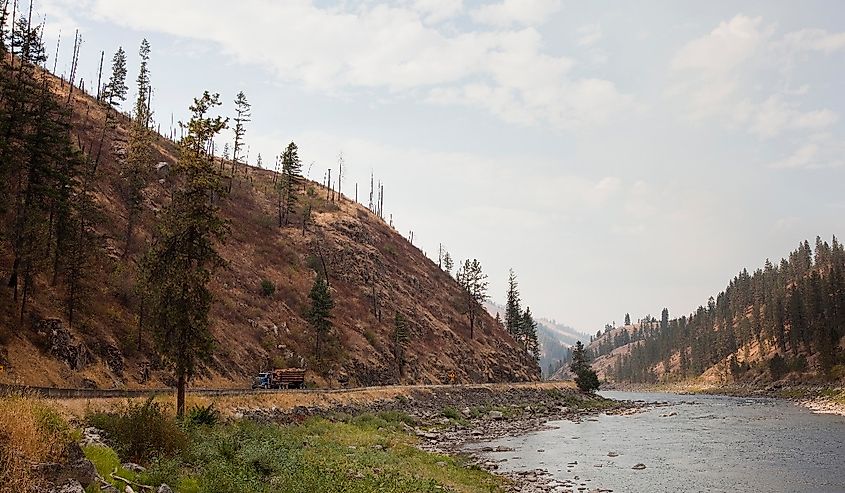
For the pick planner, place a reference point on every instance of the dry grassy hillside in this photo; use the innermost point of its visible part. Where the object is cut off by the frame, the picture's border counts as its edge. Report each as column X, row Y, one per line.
column 374, row 272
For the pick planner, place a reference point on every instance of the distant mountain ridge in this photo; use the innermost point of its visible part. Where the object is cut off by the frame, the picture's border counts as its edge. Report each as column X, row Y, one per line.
column 555, row 339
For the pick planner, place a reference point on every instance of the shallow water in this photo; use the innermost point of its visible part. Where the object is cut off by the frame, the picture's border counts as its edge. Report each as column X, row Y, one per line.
column 711, row 444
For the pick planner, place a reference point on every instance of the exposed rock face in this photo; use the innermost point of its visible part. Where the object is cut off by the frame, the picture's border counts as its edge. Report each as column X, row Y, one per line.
column 61, row 344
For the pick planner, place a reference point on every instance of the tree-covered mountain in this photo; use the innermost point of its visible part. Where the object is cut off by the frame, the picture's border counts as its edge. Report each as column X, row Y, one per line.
column 785, row 318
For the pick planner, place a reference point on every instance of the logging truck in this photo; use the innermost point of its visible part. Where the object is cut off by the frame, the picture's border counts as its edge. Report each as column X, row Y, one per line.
column 280, row 378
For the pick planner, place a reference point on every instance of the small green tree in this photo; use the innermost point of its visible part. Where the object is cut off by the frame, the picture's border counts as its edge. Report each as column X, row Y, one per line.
column 448, row 263
column 288, row 184
column 242, row 117
column 585, row 376
column 115, row 90
column 178, row 267
column 400, row 340
column 627, row 319
column 513, row 310
column 320, row 313
column 474, row 284
column 528, row 335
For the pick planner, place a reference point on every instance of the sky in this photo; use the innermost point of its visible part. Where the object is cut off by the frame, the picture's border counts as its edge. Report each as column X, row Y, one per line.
column 619, row 156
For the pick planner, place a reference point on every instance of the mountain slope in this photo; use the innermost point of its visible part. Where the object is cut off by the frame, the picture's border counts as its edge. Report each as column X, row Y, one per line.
column 373, row 271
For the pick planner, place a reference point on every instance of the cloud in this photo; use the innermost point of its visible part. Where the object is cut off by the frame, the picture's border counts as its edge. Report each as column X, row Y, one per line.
column 504, row 71
column 742, row 73
column 438, row 10
column 510, row 12
column 726, row 47
column 815, row 40
column 822, row 151
column 774, row 116
column 589, row 35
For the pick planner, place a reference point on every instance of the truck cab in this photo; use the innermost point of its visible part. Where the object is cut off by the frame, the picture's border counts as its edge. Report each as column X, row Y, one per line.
column 261, row 381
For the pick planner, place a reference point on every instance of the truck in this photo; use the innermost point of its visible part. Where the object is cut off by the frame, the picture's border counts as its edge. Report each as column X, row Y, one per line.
column 280, row 378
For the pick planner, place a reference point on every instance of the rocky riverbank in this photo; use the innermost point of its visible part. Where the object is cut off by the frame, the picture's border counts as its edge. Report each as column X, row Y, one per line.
column 448, row 419
column 822, row 399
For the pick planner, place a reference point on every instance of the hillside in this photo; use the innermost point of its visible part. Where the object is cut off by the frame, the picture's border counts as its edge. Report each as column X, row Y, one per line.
column 784, row 321
column 373, row 271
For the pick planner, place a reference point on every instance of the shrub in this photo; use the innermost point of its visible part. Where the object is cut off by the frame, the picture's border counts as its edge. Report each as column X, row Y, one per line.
column 778, row 367
column 141, row 432
column 268, row 288
column 371, row 337
column 203, row 415
column 451, row 413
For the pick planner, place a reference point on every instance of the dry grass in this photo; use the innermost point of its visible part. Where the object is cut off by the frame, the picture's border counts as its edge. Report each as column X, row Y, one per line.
column 228, row 405
column 30, row 432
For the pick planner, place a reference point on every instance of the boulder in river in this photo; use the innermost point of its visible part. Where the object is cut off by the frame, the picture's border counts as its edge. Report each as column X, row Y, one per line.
column 638, row 467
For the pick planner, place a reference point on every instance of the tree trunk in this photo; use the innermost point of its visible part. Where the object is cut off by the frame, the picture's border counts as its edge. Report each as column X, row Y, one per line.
column 180, row 394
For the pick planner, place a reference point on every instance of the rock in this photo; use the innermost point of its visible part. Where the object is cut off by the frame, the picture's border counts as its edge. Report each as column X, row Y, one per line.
column 441, row 464
column 71, row 486
column 164, row 489
column 131, row 466
column 87, row 383
column 59, row 343
column 638, row 467
column 495, row 414
column 613, row 454
column 128, row 489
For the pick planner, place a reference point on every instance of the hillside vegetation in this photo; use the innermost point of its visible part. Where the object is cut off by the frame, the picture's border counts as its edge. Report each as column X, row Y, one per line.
column 784, row 320
column 78, row 214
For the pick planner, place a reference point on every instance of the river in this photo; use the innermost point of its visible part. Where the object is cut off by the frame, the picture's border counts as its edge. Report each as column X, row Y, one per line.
column 695, row 443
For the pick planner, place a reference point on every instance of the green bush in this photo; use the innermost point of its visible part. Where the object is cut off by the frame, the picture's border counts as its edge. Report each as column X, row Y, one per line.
column 268, row 288
column 141, row 432
column 778, row 367
column 451, row 413
column 203, row 416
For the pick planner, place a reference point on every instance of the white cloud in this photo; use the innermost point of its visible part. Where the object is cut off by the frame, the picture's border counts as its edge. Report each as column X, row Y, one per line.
column 726, row 47
column 774, row 116
column 589, row 35
column 504, row 71
column 815, row 40
column 742, row 75
column 821, row 151
column 438, row 10
column 510, row 12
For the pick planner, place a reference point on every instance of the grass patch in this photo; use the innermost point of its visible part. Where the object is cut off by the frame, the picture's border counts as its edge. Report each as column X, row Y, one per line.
column 30, row 432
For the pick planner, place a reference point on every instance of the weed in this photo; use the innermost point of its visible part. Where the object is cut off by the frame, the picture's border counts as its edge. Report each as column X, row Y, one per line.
column 268, row 288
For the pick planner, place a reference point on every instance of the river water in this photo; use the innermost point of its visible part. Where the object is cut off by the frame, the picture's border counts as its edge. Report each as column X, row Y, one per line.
column 695, row 444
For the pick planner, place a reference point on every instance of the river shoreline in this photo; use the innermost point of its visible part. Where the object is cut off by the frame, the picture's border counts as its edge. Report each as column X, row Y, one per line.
column 820, row 399
column 449, row 420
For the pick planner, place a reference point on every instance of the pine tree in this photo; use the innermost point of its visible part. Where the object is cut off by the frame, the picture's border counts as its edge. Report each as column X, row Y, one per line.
column 513, row 310
column 627, row 319
column 320, row 313
column 528, row 335
column 448, row 264
column 139, row 156
column 585, row 376
column 115, row 90
column 177, row 269
column 287, row 187
column 474, row 284
column 242, row 116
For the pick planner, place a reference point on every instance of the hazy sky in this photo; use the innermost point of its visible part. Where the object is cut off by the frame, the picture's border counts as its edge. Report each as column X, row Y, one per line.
column 620, row 156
